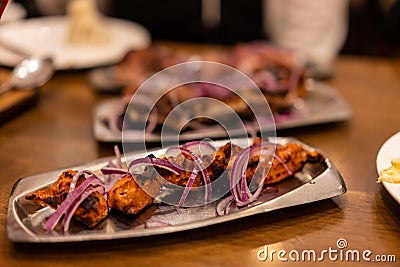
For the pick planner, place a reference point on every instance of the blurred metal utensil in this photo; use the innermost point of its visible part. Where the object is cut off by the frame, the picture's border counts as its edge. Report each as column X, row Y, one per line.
column 31, row 73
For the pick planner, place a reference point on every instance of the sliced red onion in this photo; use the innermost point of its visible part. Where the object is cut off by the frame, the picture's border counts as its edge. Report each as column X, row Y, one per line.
column 203, row 147
column 245, row 191
column 253, row 197
column 74, row 181
column 184, row 150
column 161, row 163
column 238, row 172
column 76, row 177
column 224, row 204
column 74, row 206
column 114, row 174
column 114, row 169
column 188, row 186
column 238, row 183
column 111, row 170
column 71, row 198
column 290, row 171
column 200, row 166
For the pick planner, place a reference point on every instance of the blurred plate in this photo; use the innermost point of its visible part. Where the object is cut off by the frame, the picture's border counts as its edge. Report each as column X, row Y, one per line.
column 322, row 105
column 389, row 150
column 48, row 36
column 24, row 220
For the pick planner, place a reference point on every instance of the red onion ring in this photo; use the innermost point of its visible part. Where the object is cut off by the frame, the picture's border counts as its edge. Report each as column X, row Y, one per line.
column 74, row 206
column 200, row 166
column 76, row 177
column 223, row 205
column 290, row 171
column 114, row 174
column 238, row 183
column 200, row 146
column 161, row 163
column 188, row 186
column 112, row 170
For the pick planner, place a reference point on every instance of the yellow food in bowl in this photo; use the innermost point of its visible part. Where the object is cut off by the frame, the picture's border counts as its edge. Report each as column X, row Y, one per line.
column 391, row 174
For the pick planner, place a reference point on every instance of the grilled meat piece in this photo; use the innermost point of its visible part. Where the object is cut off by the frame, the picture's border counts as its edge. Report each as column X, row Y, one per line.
column 90, row 212
column 215, row 164
column 180, row 179
column 276, row 71
column 223, row 160
column 138, row 65
column 288, row 160
column 56, row 194
column 131, row 195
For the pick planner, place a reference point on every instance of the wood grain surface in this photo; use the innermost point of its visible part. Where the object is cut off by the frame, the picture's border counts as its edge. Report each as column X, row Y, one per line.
column 13, row 102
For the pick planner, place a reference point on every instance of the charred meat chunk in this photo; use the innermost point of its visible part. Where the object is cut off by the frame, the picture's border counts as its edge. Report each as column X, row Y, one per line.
column 288, row 160
column 131, row 194
column 90, row 212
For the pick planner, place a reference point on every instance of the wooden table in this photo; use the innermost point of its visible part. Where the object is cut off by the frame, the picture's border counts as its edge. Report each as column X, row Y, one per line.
column 57, row 132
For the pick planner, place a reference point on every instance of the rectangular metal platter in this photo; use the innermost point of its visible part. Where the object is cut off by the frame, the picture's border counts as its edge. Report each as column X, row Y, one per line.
column 24, row 221
column 323, row 104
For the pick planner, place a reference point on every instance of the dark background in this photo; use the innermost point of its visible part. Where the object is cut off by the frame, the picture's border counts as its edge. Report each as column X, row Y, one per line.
column 372, row 28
